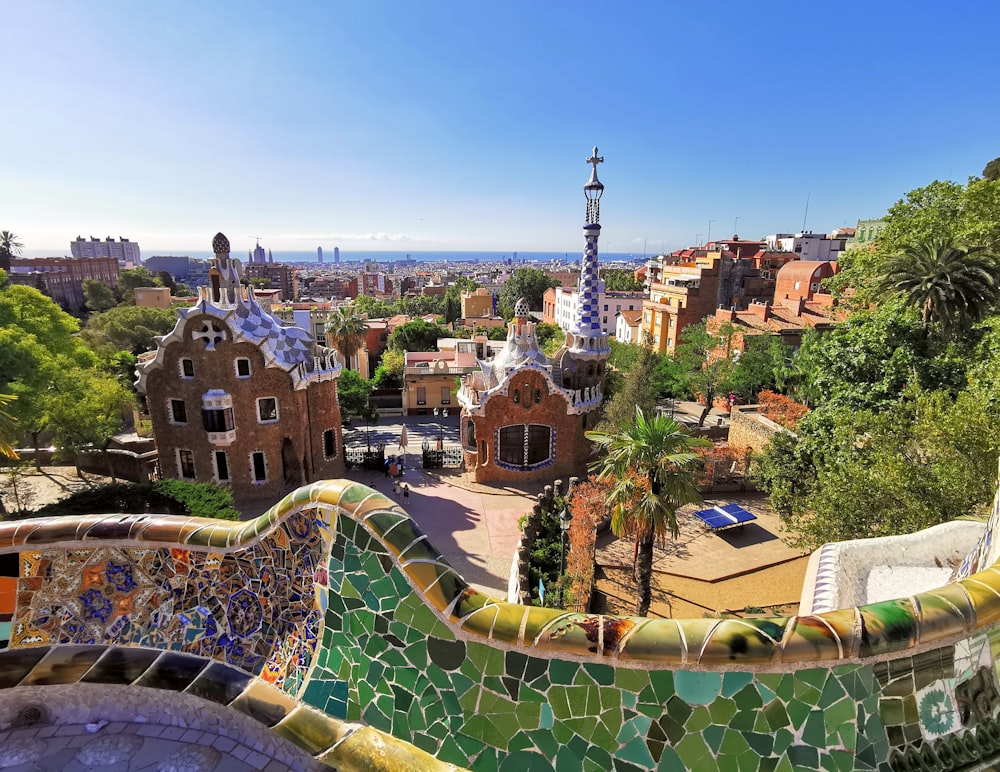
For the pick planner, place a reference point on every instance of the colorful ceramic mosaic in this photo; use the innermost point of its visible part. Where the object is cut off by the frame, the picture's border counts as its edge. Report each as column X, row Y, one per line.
column 407, row 648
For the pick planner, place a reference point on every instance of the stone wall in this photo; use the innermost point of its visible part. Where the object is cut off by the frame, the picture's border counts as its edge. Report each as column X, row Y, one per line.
column 405, row 646
column 749, row 429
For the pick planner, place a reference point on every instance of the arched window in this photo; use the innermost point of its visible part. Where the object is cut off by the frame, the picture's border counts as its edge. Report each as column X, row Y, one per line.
column 470, row 434
column 525, row 446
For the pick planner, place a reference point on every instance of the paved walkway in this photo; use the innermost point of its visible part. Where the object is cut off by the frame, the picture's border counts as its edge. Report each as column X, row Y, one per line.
column 475, row 527
column 132, row 746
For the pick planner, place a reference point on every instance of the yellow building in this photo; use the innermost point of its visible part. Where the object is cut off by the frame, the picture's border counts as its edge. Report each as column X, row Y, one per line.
column 477, row 304
column 152, row 297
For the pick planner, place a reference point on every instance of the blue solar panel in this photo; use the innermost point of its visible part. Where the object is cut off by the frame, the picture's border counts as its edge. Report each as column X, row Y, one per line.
column 725, row 516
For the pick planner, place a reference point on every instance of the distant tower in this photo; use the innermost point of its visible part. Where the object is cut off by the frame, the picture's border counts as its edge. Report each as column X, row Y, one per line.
column 258, row 254
column 270, row 257
column 319, row 255
column 336, row 255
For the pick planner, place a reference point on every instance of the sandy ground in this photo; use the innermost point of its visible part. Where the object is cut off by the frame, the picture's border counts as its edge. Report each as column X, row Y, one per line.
column 51, row 484
column 775, row 589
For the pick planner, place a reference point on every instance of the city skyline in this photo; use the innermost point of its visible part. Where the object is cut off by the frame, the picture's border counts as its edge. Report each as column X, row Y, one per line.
column 464, row 127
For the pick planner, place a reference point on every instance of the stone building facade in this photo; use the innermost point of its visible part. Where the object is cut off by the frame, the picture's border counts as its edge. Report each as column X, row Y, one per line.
column 61, row 278
column 239, row 398
column 524, row 414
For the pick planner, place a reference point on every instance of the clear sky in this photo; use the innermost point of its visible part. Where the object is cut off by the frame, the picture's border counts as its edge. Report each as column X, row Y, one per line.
column 464, row 125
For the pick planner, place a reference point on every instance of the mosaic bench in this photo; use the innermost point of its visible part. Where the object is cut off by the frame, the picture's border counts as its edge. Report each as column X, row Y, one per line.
column 331, row 617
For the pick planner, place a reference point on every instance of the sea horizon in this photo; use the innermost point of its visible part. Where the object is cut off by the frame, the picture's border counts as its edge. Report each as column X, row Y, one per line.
column 417, row 256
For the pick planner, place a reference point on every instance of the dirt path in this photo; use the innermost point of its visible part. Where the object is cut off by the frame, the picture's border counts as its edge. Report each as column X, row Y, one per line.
column 51, row 484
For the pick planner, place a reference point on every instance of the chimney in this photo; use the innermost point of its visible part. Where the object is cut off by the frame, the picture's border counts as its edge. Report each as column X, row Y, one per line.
column 724, row 314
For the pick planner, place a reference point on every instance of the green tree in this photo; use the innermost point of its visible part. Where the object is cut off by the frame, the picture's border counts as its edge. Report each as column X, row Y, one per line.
column 353, row 392
column 855, row 474
column 963, row 214
column 992, row 170
column 758, row 365
column 871, row 360
column 636, row 390
column 130, row 279
column 417, row 335
column 707, row 372
column 98, row 295
column 652, row 463
column 527, row 283
column 372, row 307
column 9, row 247
column 953, row 287
column 128, row 328
column 620, row 280
column 550, row 337
column 347, row 330
column 167, row 280
column 85, row 412
column 389, row 373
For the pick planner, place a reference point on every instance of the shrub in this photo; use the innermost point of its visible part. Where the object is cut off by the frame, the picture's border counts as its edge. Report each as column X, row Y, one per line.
column 172, row 497
column 781, row 409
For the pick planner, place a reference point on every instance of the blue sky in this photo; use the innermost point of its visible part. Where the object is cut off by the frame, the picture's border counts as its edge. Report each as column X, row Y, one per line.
column 465, row 125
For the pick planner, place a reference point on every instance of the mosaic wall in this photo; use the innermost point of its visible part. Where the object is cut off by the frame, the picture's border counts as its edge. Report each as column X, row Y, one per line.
column 407, row 649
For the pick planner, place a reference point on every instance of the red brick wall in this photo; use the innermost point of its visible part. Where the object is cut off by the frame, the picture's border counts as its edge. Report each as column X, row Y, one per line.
column 571, row 447
column 303, row 416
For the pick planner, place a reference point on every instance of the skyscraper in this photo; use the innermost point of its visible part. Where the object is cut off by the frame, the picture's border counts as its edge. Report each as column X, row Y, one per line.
column 336, row 255
column 319, row 255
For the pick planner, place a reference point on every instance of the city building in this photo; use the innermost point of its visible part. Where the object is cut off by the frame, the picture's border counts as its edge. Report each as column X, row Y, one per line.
column 61, row 278
column 375, row 283
column 785, row 319
column 802, row 279
column 559, row 306
column 807, row 245
column 281, row 276
column 177, row 266
column 430, row 377
column 865, row 233
column 125, row 252
column 478, row 303
column 524, row 414
column 627, row 324
column 688, row 285
column 239, row 398
column 152, row 297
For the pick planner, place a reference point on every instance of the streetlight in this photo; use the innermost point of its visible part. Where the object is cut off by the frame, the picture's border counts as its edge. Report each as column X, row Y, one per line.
column 565, row 518
column 443, row 412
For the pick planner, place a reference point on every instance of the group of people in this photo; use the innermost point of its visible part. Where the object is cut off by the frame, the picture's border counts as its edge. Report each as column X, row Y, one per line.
column 403, row 490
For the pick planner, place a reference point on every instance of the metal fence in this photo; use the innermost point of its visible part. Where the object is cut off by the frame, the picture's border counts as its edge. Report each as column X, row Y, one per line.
column 435, row 459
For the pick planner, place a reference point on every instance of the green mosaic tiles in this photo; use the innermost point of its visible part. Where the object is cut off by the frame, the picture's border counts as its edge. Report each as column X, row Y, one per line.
column 334, row 599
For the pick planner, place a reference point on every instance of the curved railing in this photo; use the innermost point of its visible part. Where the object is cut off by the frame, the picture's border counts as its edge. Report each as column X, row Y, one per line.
column 381, row 596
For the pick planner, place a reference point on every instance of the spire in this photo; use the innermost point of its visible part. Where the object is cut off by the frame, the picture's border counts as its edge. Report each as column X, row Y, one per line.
column 589, row 339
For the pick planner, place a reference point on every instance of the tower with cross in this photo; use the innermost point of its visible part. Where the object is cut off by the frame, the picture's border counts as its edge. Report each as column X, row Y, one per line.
column 524, row 415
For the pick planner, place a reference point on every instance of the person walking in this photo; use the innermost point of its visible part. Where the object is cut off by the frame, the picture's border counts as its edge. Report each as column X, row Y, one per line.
column 406, row 493
column 395, row 490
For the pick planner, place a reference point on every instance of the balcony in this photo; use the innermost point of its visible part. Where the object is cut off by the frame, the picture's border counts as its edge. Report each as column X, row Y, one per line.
column 222, row 439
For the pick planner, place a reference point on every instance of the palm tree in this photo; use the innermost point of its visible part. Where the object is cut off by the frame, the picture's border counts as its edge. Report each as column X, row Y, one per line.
column 652, row 463
column 953, row 286
column 347, row 329
column 9, row 246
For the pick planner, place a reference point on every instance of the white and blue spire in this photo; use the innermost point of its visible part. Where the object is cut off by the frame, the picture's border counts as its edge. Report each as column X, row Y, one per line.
column 588, row 337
